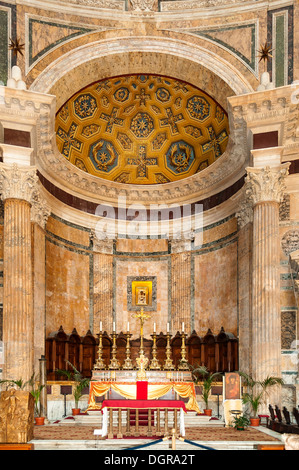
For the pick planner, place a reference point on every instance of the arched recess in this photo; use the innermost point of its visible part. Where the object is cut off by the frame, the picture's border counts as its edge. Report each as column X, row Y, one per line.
column 169, row 56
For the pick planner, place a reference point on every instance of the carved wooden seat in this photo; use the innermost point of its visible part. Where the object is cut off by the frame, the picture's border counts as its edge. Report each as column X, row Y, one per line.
column 283, row 426
column 296, row 415
column 272, row 422
column 286, row 415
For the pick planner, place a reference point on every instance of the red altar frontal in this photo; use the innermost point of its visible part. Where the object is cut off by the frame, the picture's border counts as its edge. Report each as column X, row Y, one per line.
column 146, row 391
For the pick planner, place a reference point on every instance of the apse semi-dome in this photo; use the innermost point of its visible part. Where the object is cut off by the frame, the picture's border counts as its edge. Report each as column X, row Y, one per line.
column 141, row 129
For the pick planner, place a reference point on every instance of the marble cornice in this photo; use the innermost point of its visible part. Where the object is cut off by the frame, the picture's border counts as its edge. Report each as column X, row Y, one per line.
column 275, row 109
column 169, row 9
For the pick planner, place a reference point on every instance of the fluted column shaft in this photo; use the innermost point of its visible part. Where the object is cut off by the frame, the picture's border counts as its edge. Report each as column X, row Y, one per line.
column 266, row 321
column 103, row 284
column 181, row 291
column 17, row 186
column 265, row 187
column 17, row 290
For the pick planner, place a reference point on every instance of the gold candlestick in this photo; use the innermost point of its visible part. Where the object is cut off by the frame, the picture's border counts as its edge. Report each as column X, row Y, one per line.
column 128, row 364
column 183, row 365
column 168, row 365
column 100, row 364
column 114, row 364
column 154, row 365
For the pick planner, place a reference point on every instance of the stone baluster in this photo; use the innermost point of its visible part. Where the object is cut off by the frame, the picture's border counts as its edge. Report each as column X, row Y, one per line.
column 264, row 188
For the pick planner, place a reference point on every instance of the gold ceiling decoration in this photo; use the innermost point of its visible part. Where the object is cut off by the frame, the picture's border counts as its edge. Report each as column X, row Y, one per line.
column 141, row 129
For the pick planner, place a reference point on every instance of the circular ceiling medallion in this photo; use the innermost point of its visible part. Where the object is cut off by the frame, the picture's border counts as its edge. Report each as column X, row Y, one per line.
column 141, row 129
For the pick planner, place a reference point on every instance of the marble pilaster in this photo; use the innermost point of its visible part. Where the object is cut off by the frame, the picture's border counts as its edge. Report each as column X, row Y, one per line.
column 181, row 291
column 103, row 284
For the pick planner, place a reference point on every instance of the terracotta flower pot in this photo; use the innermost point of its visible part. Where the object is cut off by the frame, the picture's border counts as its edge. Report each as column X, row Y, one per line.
column 254, row 421
column 76, row 411
column 208, row 412
column 40, row 421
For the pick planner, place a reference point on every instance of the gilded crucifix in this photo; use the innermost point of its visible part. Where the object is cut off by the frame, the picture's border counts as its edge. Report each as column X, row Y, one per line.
column 142, row 317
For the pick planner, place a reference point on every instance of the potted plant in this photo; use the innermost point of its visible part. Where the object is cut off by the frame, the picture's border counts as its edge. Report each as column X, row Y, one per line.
column 256, row 392
column 36, row 392
column 241, row 422
column 80, row 383
column 208, row 378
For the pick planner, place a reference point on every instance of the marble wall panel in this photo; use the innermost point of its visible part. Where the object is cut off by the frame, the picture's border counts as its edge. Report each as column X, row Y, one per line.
column 216, row 290
column 125, row 267
column 219, row 231
column 64, row 231
column 126, row 245
column 67, row 288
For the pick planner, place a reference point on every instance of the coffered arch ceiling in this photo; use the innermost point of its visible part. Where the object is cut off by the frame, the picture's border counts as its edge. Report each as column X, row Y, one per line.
column 141, row 129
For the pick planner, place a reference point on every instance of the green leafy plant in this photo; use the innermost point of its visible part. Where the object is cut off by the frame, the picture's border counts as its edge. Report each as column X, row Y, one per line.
column 201, row 373
column 75, row 376
column 257, row 390
column 241, row 422
column 36, row 393
column 18, row 384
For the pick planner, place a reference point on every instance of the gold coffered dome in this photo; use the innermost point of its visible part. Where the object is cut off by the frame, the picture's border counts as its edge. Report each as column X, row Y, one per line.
column 141, row 129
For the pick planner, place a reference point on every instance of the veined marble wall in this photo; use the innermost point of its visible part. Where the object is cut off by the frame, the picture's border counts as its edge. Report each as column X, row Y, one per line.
column 87, row 283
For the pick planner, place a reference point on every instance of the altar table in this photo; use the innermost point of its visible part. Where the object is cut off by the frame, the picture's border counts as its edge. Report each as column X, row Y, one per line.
column 142, row 404
column 154, row 391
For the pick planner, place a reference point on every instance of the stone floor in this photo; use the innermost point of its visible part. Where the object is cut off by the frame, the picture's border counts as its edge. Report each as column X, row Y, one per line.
column 69, row 434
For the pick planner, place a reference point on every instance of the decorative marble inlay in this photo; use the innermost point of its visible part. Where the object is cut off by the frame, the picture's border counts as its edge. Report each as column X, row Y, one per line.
column 290, row 241
column 288, row 329
column 141, row 129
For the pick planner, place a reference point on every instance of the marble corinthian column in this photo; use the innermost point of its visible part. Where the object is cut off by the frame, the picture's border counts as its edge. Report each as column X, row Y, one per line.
column 264, row 188
column 17, row 188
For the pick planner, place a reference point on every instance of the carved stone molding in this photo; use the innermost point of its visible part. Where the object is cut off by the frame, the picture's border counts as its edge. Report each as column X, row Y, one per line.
column 244, row 214
column 22, row 183
column 143, row 5
column 195, row 5
column 266, row 184
column 17, row 182
column 290, row 241
column 101, row 244
column 40, row 210
column 284, row 208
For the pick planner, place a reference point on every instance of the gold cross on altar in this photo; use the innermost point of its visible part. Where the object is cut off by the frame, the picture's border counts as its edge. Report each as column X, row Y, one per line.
column 142, row 317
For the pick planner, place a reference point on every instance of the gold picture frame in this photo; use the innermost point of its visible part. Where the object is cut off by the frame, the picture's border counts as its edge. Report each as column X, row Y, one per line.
column 142, row 293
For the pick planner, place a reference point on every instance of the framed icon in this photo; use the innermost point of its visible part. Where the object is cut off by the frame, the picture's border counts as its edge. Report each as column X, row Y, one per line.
column 141, row 293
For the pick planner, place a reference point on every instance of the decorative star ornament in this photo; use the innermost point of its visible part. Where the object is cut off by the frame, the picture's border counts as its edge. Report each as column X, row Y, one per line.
column 265, row 52
column 16, row 47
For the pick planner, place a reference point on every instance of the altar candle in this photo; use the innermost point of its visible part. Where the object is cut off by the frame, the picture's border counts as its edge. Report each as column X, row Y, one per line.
column 114, row 326
column 128, row 326
column 154, row 327
column 101, row 326
column 167, row 327
column 183, row 326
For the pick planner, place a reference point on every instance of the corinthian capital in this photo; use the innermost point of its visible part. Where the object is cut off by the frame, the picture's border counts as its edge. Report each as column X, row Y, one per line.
column 40, row 210
column 17, row 182
column 266, row 184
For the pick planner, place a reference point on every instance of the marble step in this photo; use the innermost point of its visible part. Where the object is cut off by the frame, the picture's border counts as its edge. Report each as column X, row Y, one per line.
column 191, row 419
